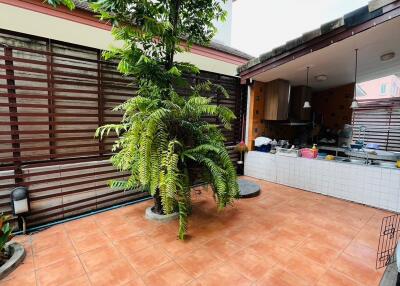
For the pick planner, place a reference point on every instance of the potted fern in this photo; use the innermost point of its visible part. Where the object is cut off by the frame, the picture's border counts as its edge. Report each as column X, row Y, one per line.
column 11, row 253
column 5, row 236
column 164, row 141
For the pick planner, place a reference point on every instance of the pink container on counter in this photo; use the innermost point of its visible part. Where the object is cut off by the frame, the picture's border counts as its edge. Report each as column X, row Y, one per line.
column 308, row 153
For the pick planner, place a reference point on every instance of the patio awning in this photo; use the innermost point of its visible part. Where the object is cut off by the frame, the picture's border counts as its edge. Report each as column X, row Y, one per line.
column 329, row 50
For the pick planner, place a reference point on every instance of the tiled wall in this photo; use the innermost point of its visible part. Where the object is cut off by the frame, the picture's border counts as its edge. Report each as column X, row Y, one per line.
column 261, row 166
column 373, row 186
column 334, row 105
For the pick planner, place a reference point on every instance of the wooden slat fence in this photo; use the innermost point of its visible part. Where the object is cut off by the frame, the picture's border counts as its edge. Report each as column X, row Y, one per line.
column 382, row 121
column 53, row 96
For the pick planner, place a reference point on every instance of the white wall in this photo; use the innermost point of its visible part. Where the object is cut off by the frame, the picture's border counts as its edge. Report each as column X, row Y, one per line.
column 225, row 28
column 34, row 23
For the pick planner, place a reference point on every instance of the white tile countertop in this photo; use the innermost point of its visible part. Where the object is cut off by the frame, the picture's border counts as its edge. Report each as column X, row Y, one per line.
column 371, row 185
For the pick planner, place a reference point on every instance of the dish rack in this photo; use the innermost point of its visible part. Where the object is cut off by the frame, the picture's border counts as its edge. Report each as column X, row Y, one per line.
column 287, row 152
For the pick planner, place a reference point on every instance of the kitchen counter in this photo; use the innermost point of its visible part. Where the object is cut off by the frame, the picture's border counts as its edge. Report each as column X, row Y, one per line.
column 371, row 185
column 380, row 155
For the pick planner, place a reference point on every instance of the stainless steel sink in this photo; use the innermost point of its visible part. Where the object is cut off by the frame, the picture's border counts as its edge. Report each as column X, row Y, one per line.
column 383, row 164
column 352, row 161
column 363, row 162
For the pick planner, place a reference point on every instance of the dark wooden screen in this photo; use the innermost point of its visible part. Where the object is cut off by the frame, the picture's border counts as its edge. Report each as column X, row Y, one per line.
column 382, row 121
column 52, row 98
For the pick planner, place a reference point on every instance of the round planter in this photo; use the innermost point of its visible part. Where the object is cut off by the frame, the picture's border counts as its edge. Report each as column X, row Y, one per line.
column 157, row 217
column 18, row 254
column 248, row 189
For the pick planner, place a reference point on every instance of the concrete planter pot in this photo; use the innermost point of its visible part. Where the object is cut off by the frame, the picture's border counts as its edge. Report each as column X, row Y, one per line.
column 17, row 253
column 150, row 215
column 248, row 189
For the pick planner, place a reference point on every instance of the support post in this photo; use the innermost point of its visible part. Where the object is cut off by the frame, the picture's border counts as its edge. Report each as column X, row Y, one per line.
column 12, row 103
column 100, row 101
column 51, row 101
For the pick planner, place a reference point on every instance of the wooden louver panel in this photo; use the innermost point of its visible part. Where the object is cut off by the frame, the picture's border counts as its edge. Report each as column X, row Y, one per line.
column 382, row 121
column 53, row 96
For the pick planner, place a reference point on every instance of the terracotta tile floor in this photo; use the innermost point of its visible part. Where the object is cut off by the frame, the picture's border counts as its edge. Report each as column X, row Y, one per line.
column 283, row 237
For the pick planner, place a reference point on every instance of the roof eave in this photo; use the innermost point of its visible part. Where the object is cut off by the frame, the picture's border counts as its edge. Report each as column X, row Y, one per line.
column 82, row 5
column 329, row 33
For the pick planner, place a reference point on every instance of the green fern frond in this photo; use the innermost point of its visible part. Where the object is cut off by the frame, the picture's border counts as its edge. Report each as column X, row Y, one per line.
column 160, row 137
column 165, row 134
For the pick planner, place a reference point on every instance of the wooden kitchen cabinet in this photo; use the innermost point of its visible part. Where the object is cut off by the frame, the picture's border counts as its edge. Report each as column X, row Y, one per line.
column 298, row 95
column 276, row 95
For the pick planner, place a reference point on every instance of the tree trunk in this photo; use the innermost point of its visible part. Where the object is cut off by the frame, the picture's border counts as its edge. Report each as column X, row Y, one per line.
column 157, row 208
column 173, row 19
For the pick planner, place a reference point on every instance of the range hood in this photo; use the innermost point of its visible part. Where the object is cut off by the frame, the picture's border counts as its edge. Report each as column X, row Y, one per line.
column 295, row 123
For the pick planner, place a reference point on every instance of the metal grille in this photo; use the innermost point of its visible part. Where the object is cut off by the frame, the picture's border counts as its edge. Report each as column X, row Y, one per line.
column 388, row 238
column 53, row 96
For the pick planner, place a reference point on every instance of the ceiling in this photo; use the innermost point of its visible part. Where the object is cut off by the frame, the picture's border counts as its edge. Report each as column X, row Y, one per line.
column 337, row 61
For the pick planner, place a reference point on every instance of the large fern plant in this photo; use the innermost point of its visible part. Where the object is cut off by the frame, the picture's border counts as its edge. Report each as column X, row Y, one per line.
column 165, row 142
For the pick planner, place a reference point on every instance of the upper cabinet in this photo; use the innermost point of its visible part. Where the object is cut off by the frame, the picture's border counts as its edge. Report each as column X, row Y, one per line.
column 276, row 95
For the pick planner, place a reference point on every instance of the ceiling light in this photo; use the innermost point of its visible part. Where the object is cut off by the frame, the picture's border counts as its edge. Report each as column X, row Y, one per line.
column 387, row 56
column 321, row 77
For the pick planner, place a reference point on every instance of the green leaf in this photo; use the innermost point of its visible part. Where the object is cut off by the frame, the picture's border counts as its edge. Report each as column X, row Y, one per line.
column 68, row 3
column 165, row 140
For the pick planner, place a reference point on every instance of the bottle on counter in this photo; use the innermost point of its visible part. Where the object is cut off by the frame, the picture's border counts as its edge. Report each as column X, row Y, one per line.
column 315, row 150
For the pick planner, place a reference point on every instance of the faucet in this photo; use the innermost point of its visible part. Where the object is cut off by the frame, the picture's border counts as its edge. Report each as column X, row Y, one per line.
column 366, row 156
column 362, row 131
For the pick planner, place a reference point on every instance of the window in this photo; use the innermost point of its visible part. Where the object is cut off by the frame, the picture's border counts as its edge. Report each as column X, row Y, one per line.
column 395, row 90
column 360, row 91
column 379, row 87
column 383, row 89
